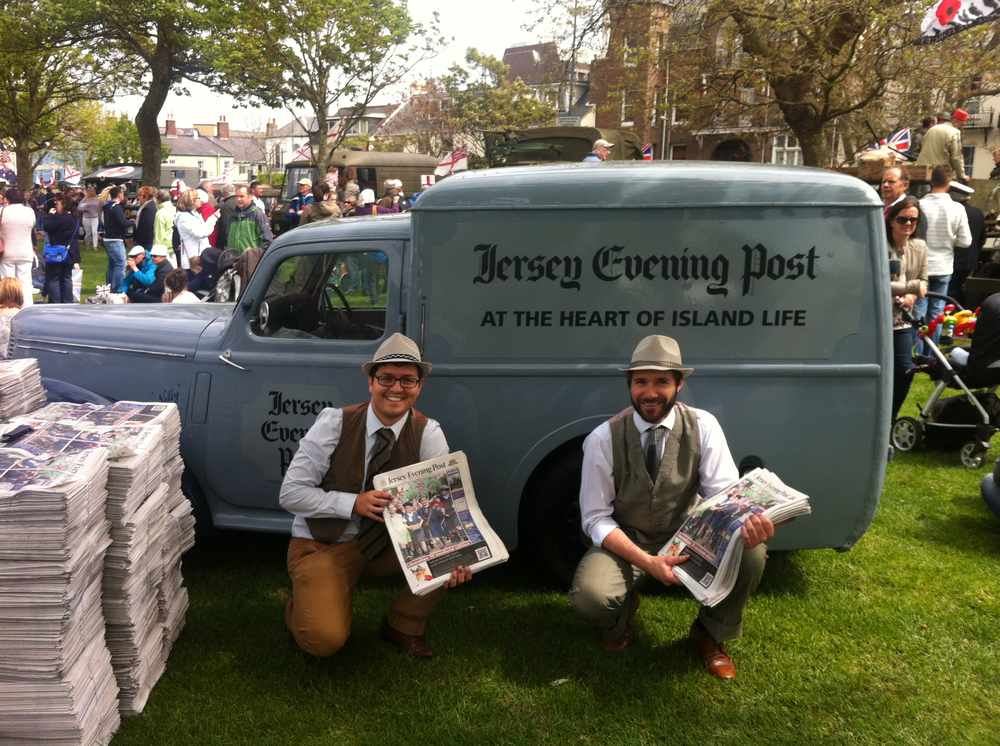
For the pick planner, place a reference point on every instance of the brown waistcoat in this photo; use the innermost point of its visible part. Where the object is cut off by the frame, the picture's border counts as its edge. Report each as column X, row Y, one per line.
column 347, row 462
column 649, row 513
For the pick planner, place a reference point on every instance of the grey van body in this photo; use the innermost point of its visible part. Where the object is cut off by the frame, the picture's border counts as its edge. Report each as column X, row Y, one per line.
column 527, row 288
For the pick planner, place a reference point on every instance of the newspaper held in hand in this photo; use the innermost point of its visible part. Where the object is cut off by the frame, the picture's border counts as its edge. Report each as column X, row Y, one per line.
column 435, row 523
column 711, row 537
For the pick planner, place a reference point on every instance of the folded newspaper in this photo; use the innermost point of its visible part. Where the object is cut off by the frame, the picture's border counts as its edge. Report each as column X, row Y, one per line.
column 435, row 523
column 711, row 536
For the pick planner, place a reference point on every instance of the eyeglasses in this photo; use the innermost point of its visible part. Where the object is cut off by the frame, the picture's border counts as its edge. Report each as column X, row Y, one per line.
column 387, row 381
column 906, row 221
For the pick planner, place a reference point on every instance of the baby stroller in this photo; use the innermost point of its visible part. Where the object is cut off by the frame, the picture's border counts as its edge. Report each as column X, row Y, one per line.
column 973, row 416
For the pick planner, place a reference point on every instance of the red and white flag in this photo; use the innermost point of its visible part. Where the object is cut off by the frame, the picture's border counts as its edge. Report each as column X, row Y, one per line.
column 304, row 153
column 457, row 160
column 947, row 17
column 647, row 151
column 71, row 176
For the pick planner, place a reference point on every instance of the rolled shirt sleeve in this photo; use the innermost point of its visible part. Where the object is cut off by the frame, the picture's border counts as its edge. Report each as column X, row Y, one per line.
column 597, row 488
column 300, row 490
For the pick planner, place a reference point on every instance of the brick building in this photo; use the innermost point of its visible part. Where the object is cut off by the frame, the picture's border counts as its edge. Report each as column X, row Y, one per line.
column 661, row 57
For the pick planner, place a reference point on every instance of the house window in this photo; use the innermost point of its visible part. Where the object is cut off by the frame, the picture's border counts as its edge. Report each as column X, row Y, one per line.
column 631, row 108
column 748, row 97
column 202, row 173
column 678, row 115
column 785, row 151
column 678, row 152
column 630, row 52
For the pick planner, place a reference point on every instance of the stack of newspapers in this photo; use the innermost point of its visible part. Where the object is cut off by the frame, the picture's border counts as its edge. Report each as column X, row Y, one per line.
column 20, row 387
column 57, row 685
column 151, row 526
column 710, row 536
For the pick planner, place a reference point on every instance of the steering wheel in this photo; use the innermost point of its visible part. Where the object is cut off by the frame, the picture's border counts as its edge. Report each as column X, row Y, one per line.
column 328, row 301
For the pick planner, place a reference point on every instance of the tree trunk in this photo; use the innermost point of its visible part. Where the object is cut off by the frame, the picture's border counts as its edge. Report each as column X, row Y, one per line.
column 25, row 173
column 145, row 119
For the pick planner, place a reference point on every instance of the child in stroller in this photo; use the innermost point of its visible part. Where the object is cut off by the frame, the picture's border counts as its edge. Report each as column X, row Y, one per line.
column 973, row 416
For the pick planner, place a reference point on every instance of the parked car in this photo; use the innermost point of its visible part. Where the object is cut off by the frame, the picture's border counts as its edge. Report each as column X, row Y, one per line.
column 528, row 288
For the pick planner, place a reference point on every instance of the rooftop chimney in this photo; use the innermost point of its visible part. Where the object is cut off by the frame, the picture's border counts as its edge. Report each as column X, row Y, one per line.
column 222, row 128
column 171, row 128
column 271, row 128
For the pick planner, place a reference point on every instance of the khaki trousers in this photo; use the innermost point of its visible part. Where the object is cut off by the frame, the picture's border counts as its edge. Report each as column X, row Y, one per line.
column 604, row 592
column 323, row 579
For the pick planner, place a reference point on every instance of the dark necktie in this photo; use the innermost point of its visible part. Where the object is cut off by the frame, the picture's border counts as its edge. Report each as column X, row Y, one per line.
column 651, row 453
column 372, row 535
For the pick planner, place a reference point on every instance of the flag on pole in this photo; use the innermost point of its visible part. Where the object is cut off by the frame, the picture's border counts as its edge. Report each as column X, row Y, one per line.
column 71, row 176
column 647, row 151
column 304, row 153
column 900, row 140
column 457, row 160
column 947, row 17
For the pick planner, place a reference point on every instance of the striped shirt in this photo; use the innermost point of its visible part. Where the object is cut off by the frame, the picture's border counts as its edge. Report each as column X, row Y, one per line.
column 947, row 230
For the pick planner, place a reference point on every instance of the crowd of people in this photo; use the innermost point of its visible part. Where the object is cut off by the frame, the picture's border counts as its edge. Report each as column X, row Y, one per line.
column 207, row 233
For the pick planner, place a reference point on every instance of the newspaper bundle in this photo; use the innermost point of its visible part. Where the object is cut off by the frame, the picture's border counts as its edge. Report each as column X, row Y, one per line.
column 711, row 537
column 151, row 526
column 57, row 685
column 435, row 523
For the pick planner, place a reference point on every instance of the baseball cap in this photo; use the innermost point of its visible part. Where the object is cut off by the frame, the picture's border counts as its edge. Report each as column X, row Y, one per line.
column 601, row 142
column 960, row 115
column 136, row 250
column 159, row 250
column 305, row 182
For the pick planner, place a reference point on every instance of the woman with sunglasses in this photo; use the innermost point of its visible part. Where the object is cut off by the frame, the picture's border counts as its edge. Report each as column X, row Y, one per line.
column 908, row 279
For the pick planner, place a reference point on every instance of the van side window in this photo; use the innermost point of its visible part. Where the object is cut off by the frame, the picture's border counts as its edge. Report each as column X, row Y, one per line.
column 368, row 179
column 327, row 296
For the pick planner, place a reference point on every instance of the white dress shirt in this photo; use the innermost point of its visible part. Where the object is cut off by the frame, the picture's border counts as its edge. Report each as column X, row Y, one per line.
column 300, row 491
column 947, row 230
column 716, row 469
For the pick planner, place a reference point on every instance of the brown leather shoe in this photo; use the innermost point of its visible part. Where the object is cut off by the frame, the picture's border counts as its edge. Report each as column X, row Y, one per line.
column 714, row 656
column 414, row 645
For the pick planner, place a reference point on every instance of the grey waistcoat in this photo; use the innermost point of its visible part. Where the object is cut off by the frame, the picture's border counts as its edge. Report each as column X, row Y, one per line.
column 649, row 513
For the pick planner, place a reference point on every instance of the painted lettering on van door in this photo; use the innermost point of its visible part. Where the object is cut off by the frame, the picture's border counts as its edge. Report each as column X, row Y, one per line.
column 616, row 263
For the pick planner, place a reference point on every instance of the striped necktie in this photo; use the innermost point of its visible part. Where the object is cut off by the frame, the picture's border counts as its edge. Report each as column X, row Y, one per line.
column 372, row 535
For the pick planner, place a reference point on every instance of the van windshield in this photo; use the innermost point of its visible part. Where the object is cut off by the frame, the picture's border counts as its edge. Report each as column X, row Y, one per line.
column 292, row 176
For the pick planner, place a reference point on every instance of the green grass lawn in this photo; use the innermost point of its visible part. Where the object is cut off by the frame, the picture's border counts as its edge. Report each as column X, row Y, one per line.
column 894, row 642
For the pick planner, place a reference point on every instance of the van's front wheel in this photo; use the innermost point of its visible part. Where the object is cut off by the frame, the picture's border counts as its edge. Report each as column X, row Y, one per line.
column 550, row 518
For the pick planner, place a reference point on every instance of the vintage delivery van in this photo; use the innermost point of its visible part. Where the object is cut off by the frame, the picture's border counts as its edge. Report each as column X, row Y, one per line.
column 528, row 288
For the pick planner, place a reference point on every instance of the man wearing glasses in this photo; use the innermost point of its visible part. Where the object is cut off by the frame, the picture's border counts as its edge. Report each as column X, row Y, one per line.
column 338, row 533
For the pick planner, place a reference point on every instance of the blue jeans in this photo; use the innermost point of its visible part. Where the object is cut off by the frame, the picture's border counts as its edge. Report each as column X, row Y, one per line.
column 928, row 308
column 902, row 362
column 116, row 262
column 59, row 282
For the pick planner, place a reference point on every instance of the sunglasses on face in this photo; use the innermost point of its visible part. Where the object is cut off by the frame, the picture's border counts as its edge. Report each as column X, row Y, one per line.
column 906, row 221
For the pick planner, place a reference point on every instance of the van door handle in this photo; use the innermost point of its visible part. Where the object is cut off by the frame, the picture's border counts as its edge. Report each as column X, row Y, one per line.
column 227, row 358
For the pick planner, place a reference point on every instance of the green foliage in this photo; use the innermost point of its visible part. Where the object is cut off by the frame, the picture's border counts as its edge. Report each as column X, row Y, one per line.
column 42, row 84
column 116, row 140
column 481, row 99
column 318, row 53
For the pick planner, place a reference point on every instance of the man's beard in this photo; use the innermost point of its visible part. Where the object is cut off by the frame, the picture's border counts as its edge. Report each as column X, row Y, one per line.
column 666, row 406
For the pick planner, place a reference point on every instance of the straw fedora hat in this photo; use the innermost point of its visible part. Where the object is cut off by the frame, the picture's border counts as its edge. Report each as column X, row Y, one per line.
column 399, row 350
column 657, row 352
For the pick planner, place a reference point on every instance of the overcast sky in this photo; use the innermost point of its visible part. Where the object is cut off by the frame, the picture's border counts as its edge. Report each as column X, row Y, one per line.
column 488, row 26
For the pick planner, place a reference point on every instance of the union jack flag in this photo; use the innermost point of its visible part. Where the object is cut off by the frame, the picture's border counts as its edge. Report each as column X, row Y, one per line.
column 647, row 151
column 900, row 140
column 457, row 160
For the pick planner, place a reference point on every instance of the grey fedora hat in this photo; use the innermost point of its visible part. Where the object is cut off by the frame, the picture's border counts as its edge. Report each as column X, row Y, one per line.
column 397, row 350
column 657, row 352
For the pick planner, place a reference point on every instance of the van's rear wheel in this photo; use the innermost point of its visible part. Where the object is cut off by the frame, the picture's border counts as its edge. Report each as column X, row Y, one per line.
column 550, row 518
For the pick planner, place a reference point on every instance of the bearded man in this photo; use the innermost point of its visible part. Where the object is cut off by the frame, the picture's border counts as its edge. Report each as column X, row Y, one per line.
column 642, row 470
